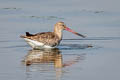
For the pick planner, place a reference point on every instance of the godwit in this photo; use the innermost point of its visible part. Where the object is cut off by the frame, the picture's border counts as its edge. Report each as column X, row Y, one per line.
column 48, row 39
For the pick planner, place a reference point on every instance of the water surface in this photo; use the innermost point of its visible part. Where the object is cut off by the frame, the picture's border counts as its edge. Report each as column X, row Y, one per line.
column 95, row 57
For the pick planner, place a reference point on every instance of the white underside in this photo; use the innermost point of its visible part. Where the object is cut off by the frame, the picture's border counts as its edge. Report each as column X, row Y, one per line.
column 36, row 44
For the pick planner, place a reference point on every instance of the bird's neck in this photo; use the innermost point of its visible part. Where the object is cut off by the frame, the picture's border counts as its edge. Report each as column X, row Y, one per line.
column 58, row 32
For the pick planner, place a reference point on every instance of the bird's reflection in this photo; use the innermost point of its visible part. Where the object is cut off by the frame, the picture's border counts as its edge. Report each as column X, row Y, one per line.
column 44, row 59
column 49, row 56
column 44, row 56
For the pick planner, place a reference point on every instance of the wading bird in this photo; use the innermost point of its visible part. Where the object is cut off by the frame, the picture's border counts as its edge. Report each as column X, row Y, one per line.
column 48, row 39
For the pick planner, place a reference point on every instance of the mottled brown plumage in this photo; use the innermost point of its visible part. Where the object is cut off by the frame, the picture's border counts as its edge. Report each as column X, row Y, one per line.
column 49, row 39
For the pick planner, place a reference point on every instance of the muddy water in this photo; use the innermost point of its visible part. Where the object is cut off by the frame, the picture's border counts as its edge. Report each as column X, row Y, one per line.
column 95, row 57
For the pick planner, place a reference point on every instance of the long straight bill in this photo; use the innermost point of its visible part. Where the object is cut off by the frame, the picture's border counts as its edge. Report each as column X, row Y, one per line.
column 70, row 30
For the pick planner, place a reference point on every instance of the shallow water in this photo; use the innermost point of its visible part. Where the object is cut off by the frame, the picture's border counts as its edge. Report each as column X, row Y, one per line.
column 95, row 57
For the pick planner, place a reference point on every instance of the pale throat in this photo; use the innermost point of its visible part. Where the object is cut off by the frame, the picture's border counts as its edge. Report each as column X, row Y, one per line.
column 58, row 32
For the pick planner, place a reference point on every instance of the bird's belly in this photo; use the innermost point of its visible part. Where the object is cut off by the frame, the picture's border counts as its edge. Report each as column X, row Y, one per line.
column 36, row 44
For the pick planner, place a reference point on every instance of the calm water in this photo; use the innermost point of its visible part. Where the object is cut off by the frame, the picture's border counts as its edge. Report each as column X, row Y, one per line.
column 74, row 58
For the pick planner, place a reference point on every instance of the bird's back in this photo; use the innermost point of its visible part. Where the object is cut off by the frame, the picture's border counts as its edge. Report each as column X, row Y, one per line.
column 47, row 38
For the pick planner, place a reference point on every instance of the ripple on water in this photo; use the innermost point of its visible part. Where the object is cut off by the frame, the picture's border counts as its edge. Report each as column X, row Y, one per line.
column 44, row 17
column 74, row 46
column 69, row 46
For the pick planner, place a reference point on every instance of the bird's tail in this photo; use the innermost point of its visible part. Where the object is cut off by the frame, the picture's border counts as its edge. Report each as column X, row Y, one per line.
column 27, row 35
column 23, row 36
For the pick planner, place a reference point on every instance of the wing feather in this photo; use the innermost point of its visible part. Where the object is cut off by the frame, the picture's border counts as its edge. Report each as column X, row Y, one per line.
column 48, row 38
